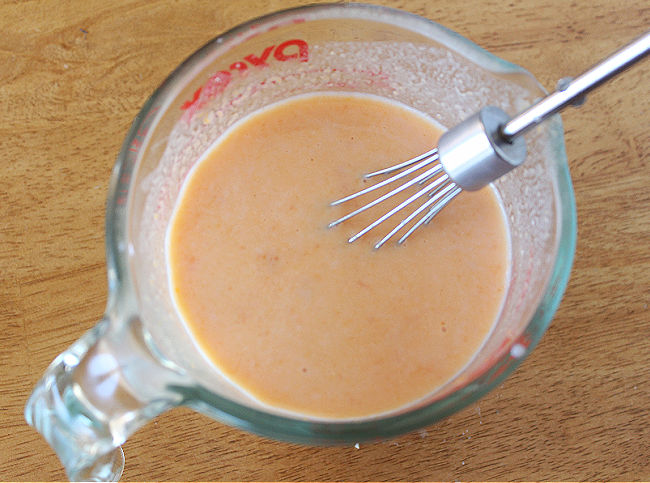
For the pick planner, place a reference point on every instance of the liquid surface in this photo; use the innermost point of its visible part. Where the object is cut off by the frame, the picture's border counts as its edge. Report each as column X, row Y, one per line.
column 290, row 311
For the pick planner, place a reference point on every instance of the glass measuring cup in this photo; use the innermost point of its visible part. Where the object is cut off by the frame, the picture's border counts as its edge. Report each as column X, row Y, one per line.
column 140, row 361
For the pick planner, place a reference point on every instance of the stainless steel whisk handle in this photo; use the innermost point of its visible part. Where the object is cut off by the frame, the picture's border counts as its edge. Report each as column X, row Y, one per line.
column 573, row 91
column 489, row 144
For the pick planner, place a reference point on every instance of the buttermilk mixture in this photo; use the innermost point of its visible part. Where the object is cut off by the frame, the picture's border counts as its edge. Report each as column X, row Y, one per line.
column 292, row 313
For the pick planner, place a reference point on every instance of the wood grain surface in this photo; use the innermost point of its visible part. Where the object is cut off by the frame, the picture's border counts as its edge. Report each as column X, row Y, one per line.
column 73, row 75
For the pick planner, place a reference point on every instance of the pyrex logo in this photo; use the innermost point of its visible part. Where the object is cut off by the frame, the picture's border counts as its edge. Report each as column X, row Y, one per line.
column 294, row 49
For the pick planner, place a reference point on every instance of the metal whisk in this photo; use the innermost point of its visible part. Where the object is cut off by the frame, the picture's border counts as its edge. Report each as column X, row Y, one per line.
column 481, row 149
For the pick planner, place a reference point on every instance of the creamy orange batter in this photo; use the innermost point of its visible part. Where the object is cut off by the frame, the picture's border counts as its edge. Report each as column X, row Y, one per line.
column 290, row 311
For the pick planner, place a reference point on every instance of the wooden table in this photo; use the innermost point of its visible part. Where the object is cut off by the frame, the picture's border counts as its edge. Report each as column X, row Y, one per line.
column 73, row 74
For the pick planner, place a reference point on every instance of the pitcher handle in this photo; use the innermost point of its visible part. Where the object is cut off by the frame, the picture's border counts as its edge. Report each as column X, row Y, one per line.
column 97, row 393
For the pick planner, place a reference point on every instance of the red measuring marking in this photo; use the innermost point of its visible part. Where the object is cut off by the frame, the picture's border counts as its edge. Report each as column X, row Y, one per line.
column 292, row 49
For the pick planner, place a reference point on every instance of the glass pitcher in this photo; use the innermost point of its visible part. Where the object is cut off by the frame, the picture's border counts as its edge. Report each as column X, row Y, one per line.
column 140, row 361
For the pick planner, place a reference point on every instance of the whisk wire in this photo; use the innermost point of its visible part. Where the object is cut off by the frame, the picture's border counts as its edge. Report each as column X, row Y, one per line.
column 437, row 168
column 421, row 164
column 433, row 212
column 436, row 183
column 443, row 202
column 433, row 154
column 403, row 204
column 438, row 193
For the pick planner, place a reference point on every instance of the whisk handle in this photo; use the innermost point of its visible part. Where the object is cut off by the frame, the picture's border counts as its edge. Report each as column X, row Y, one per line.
column 572, row 91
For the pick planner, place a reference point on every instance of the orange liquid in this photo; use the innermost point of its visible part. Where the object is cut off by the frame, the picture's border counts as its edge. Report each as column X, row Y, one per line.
column 290, row 311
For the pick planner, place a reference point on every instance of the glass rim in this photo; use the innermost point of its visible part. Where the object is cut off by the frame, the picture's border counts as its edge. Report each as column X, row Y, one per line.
column 345, row 431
